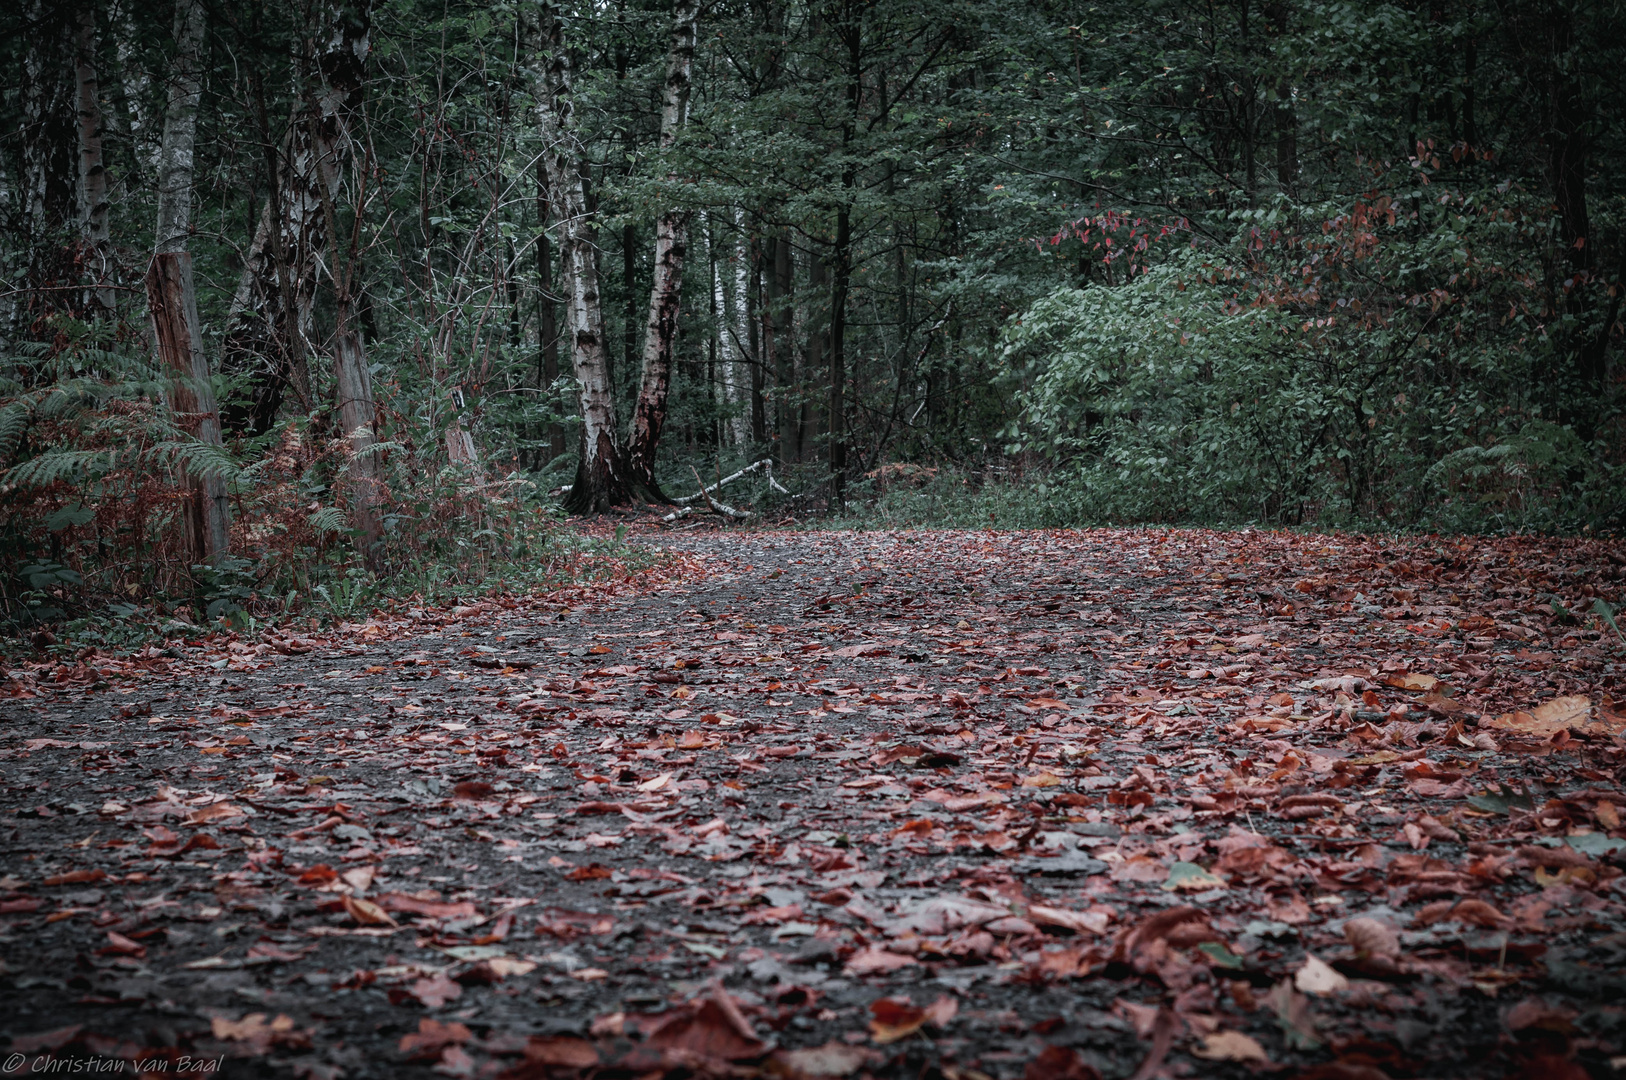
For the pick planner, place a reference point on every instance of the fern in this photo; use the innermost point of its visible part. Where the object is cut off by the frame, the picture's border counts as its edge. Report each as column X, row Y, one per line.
column 328, row 519
column 15, row 417
column 198, row 457
column 55, row 466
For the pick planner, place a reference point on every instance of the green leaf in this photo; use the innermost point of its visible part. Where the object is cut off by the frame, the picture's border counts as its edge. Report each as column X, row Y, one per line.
column 1596, row 844
column 1220, row 955
column 1190, row 877
column 74, row 513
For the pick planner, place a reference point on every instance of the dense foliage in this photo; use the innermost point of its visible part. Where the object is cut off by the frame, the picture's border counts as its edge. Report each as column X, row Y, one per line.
column 1319, row 263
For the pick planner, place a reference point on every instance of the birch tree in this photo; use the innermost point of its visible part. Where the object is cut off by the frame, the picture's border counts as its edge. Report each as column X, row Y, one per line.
column 93, row 228
column 671, row 247
column 601, row 479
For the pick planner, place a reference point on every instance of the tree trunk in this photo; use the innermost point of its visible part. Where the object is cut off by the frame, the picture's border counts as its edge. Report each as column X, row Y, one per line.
column 48, row 138
column 671, row 245
column 173, row 302
column 170, row 293
column 838, row 359
column 357, row 413
column 813, row 420
column 753, row 348
column 269, row 327
column 93, row 230
column 547, row 322
column 600, row 474
column 47, row 133
column 739, row 331
column 332, row 120
column 175, row 155
column 781, row 346
column 852, row 35
column 729, row 365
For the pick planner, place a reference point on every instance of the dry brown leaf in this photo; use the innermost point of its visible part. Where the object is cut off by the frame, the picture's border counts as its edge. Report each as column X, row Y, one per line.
column 1230, row 1046
column 1369, row 937
column 367, row 913
column 1571, row 713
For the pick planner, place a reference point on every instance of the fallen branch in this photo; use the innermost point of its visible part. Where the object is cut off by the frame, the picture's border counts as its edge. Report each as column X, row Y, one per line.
column 766, row 464
column 721, row 508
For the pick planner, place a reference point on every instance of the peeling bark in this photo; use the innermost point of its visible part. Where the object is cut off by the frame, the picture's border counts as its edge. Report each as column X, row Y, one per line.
column 172, row 298
column 671, row 246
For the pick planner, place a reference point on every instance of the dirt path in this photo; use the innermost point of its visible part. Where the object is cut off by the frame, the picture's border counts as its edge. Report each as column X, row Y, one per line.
column 999, row 805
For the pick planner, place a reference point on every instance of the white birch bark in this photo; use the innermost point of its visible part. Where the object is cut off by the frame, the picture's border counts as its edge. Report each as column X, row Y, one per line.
column 600, row 479
column 671, row 247
column 739, row 330
column 175, row 152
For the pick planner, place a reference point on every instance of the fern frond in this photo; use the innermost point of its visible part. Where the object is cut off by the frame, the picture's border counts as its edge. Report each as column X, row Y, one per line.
column 14, row 420
column 54, row 466
column 198, row 458
column 328, row 519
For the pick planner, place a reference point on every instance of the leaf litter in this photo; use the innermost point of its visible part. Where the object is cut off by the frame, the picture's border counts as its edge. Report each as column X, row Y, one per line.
column 1048, row 805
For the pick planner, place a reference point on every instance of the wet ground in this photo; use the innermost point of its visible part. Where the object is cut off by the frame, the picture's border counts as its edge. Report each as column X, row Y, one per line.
column 996, row 805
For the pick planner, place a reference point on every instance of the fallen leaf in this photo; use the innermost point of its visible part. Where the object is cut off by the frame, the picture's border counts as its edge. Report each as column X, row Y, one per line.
column 898, row 1018
column 432, row 1035
column 873, row 960
column 1189, row 877
column 1059, row 1063
column 1368, row 936
column 366, row 912
column 1316, row 977
column 712, row 1027
column 561, row 1052
column 831, row 1059
column 1231, row 1046
column 435, row 991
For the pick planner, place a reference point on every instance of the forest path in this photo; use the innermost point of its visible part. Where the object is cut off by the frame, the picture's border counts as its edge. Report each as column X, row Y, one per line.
column 1018, row 802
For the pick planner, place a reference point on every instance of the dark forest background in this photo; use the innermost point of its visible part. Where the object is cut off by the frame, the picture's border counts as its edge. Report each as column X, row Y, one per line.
column 1318, row 264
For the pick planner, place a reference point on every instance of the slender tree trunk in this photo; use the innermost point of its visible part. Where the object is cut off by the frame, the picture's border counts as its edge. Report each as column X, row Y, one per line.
column 813, row 420
column 781, row 345
column 1284, row 121
column 600, row 472
column 671, row 245
column 754, row 349
column 47, row 118
column 739, row 330
column 171, row 295
column 838, row 360
column 547, row 321
column 852, row 34
column 736, row 380
column 93, row 230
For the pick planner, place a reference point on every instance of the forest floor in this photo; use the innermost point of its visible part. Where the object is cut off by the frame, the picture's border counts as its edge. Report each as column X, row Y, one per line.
column 957, row 805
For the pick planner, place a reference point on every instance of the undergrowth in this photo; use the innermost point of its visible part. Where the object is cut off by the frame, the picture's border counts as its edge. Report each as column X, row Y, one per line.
column 92, row 554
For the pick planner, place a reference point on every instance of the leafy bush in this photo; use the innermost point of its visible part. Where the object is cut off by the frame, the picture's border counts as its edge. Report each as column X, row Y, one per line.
column 1320, row 379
